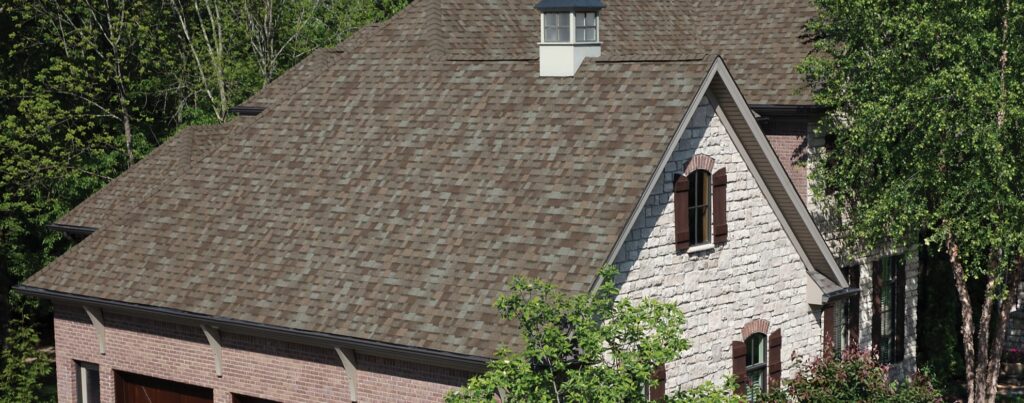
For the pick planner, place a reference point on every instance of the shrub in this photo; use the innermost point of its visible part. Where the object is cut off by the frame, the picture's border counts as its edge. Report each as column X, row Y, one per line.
column 856, row 376
column 1013, row 356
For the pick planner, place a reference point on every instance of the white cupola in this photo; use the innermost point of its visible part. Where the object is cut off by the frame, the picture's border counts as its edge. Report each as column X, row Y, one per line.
column 569, row 32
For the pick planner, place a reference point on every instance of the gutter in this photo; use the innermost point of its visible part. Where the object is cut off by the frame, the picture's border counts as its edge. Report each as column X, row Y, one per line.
column 769, row 110
column 75, row 230
column 439, row 358
column 246, row 110
column 843, row 293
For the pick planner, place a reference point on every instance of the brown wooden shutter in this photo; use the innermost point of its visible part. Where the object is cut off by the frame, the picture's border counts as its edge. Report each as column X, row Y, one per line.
column 828, row 323
column 658, row 392
column 739, row 365
column 876, row 303
column 718, row 200
column 898, row 308
column 853, row 314
column 775, row 359
column 682, row 207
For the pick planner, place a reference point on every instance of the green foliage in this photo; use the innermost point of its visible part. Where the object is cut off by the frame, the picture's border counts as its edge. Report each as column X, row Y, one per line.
column 855, row 377
column 89, row 87
column 586, row 347
column 22, row 365
column 914, row 92
column 708, row 392
column 925, row 102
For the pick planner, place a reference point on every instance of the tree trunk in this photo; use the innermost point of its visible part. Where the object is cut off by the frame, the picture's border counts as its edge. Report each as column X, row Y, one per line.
column 966, row 315
column 126, row 120
column 983, row 347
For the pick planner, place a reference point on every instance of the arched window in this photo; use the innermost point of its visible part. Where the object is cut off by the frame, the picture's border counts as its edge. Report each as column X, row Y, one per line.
column 757, row 362
column 700, row 207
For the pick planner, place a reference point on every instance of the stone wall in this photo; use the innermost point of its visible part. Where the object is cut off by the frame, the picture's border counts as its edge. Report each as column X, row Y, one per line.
column 252, row 366
column 755, row 275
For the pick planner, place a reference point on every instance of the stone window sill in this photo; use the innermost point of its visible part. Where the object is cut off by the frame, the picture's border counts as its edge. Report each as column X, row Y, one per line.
column 700, row 248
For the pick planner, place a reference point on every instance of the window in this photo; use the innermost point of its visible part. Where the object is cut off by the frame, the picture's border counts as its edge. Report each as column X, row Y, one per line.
column 757, row 363
column 887, row 303
column 887, row 313
column 556, row 27
column 88, row 383
column 586, row 27
column 700, row 207
column 846, row 315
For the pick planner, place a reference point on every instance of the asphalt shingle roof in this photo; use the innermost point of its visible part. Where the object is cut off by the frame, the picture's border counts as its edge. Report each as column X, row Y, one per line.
column 395, row 183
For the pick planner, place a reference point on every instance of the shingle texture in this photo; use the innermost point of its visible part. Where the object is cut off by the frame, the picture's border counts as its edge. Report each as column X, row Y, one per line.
column 135, row 185
column 395, row 183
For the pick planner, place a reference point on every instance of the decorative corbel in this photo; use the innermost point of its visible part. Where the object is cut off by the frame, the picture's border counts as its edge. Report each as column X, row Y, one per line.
column 213, row 336
column 96, row 317
column 348, row 359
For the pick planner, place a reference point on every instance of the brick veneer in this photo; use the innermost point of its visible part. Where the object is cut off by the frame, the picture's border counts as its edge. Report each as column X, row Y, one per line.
column 755, row 326
column 790, row 150
column 253, row 366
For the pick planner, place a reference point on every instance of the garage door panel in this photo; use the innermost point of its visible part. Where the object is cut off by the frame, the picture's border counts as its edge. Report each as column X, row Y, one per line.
column 132, row 388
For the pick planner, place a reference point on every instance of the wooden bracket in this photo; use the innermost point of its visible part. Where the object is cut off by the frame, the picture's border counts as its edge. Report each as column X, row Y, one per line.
column 348, row 359
column 213, row 336
column 96, row 316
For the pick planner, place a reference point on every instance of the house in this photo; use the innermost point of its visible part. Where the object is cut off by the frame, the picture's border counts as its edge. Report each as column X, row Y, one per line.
column 344, row 238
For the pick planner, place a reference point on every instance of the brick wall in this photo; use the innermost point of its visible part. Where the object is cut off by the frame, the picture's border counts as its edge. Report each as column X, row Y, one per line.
column 788, row 138
column 755, row 275
column 253, row 366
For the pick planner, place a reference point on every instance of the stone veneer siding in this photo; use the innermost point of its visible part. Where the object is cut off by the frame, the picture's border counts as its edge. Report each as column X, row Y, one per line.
column 755, row 275
column 252, row 366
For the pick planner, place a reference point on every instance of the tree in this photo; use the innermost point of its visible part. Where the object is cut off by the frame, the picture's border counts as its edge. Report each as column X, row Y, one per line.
column 89, row 87
column 924, row 102
column 22, row 365
column 586, row 347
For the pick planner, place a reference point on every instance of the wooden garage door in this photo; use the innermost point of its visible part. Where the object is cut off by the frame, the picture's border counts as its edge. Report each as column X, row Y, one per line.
column 131, row 388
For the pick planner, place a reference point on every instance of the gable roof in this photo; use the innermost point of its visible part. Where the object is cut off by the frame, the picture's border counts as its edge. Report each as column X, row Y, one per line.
column 391, row 199
column 731, row 107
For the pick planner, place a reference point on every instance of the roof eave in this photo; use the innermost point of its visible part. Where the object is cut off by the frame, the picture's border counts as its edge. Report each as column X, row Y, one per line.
column 438, row 358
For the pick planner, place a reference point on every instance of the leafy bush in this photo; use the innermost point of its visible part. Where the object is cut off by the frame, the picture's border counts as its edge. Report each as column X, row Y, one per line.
column 1013, row 356
column 708, row 393
column 856, row 376
column 584, row 348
